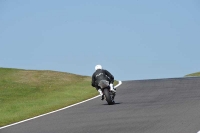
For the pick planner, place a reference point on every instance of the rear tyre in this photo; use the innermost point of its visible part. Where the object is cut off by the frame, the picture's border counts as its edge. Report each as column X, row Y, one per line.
column 108, row 97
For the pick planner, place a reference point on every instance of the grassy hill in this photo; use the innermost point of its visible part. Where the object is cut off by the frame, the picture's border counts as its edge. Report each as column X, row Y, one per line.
column 28, row 93
column 194, row 74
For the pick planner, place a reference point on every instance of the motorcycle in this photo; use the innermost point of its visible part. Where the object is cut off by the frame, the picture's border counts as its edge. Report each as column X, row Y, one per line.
column 107, row 93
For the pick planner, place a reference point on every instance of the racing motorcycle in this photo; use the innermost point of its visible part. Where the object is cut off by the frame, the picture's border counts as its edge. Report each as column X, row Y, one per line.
column 107, row 93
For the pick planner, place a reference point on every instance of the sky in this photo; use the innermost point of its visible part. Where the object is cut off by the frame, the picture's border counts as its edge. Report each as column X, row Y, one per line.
column 133, row 39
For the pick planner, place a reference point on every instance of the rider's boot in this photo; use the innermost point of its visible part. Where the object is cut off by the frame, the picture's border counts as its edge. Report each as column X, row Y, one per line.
column 101, row 94
column 112, row 88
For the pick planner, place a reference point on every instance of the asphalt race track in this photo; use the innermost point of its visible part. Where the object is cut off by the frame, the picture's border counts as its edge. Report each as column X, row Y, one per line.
column 142, row 106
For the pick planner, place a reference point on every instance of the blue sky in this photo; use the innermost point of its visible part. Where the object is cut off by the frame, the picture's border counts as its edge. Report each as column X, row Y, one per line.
column 133, row 39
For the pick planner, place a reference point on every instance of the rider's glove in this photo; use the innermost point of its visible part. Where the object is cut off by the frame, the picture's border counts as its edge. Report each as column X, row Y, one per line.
column 112, row 81
column 93, row 85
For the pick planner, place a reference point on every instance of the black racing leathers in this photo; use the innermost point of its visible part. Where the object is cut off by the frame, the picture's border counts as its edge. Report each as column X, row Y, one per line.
column 101, row 74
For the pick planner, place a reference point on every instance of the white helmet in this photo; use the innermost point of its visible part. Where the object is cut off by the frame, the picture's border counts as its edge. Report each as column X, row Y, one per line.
column 98, row 67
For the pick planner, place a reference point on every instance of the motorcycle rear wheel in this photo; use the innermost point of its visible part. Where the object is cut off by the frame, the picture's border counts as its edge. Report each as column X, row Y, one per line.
column 108, row 97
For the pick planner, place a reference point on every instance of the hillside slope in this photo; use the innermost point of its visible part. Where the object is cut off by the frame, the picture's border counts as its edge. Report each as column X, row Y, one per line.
column 27, row 93
column 194, row 74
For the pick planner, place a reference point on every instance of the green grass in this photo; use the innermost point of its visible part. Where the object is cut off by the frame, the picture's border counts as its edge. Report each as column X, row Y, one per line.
column 194, row 74
column 28, row 93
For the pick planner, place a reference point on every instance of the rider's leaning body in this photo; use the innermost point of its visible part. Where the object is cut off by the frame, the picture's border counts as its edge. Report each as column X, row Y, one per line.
column 102, row 74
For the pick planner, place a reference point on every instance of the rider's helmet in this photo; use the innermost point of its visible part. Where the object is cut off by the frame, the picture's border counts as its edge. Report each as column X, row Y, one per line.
column 98, row 67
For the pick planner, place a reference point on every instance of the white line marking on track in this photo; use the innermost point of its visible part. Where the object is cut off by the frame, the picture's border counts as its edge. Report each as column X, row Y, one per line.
column 120, row 82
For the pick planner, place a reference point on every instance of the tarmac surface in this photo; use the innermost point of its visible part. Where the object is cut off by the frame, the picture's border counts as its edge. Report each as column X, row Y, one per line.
column 142, row 106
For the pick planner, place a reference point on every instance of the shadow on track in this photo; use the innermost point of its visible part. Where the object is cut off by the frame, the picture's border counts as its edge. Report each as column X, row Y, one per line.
column 112, row 104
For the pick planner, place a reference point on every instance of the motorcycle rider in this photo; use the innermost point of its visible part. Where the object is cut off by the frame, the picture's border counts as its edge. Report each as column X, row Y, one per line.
column 102, row 74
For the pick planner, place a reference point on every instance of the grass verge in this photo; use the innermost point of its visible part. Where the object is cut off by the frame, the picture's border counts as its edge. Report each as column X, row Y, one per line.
column 28, row 93
column 193, row 74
